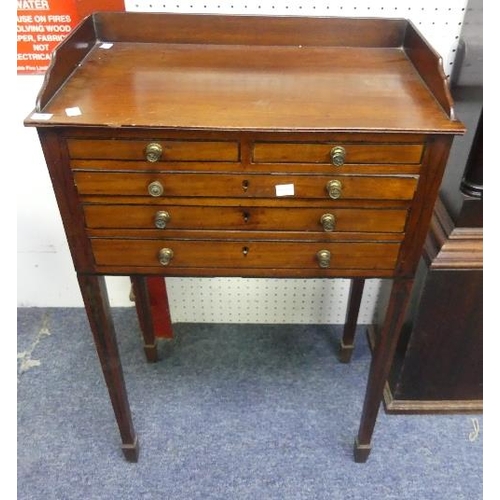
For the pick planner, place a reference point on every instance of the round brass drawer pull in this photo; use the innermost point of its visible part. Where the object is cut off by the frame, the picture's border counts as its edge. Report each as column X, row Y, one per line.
column 162, row 218
column 328, row 222
column 334, row 189
column 165, row 255
column 324, row 257
column 153, row 152
column 155, row 189
column 337, row 155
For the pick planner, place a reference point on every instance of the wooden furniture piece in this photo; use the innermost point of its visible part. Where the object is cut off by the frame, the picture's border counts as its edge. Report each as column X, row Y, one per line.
column 159, row 308
column 188, row 145
column 438, row 365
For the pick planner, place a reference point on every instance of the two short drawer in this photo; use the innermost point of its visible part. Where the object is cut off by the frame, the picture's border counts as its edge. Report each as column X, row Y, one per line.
column 154, row 151
column 170, row 150
column 337, row 154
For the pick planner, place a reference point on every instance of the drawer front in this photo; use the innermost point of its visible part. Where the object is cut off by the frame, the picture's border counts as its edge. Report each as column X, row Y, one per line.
column 169, row 150
column 244, row 186
column 238, row 254
column 256, row 168
column 244, row 218
column 264, row 152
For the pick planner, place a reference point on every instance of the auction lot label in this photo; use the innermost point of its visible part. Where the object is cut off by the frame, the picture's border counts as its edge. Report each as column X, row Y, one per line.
column 41, row 26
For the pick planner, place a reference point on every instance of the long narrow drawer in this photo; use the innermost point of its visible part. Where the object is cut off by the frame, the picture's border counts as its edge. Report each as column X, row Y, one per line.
column 243, row 186
column 257, row 168
column 244, row 218
column 162, row 150
column 279, row 152
column 238, row 254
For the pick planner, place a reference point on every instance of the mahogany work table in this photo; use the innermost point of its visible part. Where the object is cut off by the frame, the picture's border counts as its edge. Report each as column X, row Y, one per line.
column 203, row 145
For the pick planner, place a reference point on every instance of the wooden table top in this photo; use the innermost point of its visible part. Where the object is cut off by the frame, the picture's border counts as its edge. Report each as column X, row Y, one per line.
column 245, row 87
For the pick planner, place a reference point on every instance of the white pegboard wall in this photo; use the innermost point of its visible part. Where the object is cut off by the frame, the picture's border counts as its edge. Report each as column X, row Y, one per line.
column 251, row 300
column 439, row 22
column 311, row 301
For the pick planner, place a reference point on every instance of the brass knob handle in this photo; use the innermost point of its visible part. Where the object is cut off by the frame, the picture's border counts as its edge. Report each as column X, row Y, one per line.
column 324, row 257
column 155, row 189
column 328, row 222
column 334, row 189
column 162, row 218
column 165, row 255
column 337, row 155
column 153, row 152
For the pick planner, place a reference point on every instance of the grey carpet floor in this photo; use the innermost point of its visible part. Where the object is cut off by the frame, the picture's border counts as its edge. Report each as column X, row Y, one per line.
column 230, row 412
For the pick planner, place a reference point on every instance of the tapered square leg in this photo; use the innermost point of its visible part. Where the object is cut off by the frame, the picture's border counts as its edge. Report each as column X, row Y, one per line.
column 381, row 365
column 143, row 307
column 354, row 301
column 160, row 308
column 96, row 302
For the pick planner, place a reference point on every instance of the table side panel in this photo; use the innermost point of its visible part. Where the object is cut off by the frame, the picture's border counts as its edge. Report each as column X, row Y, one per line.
column 68, row 201
column 249, row 29
column 434, row 163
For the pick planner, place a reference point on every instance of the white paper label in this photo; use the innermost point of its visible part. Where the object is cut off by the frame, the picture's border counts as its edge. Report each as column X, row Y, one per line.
column 105, row 45
column 41, row 116
column 285, row 190
column 76, row 111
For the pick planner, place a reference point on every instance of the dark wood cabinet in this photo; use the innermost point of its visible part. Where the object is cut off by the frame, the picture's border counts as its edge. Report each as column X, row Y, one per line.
column 438, row 366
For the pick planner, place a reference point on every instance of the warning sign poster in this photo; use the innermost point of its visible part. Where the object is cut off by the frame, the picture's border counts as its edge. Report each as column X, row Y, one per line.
column 41, row 26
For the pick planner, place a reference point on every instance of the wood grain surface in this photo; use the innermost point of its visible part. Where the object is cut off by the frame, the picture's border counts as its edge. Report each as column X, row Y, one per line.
column 288, row 88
